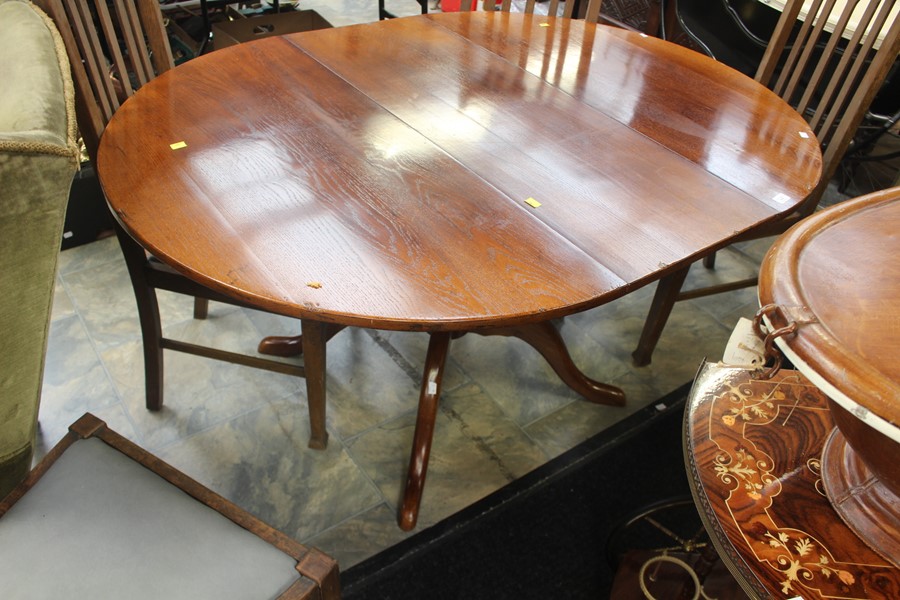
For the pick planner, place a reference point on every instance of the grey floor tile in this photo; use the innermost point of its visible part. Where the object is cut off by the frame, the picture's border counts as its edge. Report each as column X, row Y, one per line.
column 361, row 537
column 482, row 422
column 365, row 387
column 62, row 303
column 91, row 255
column 408, row 349
column 75, row 381
column 574, row 423
column 529, row 388
column 261, row 462
column 198, row 392
column 103, row 296
column 460, row 471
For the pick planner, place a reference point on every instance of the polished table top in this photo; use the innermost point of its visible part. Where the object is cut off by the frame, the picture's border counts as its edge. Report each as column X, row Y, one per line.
column 453, row 172
column 377, row 175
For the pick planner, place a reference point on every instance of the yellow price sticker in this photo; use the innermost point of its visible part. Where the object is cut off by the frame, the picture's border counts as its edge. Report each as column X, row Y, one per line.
column 532, row 203
column 178, row 145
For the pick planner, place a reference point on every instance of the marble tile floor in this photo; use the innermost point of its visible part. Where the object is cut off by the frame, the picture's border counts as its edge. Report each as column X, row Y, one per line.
column 243, row 432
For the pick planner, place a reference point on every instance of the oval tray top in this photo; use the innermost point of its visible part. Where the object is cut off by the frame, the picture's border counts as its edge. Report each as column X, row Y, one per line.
column 835, row 274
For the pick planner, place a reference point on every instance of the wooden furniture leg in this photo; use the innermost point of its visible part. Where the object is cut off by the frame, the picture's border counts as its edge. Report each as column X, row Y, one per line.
column 435, row 359
column 288, row 346
column 314, row 336
column 151, row 329
column 545, row 338
column 148, row 316
column 201, row 308
column 281, row 345
column 663, row 301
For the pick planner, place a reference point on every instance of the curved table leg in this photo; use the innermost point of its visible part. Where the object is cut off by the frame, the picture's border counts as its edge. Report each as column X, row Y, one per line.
column 545, row 338
column 291, row 345
column 435, row 359
column 281, row 345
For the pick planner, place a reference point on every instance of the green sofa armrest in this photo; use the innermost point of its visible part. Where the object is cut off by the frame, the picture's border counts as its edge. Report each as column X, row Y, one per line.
column 38, row 159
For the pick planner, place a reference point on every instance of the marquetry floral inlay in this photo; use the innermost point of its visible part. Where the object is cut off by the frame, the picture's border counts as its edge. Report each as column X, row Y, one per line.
column 750, row 423
column 741, row 468
column 748, row 405
column 815, row 467
column 799, row 560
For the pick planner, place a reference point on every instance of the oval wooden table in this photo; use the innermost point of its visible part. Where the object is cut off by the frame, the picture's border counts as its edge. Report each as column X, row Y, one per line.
column 448, row 173
column 796, row 476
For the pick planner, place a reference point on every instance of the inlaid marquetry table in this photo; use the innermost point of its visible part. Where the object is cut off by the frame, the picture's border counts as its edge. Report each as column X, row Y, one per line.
column 753, row 448
column 798, row 476
column 448, row 173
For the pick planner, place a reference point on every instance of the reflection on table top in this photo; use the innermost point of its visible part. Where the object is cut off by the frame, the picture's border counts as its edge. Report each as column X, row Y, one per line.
column 449, row 171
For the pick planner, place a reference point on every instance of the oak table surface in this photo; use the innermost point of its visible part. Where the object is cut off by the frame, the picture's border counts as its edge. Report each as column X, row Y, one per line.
column 449, row 173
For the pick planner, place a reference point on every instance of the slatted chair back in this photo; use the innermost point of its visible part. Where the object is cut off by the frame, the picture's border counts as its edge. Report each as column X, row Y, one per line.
column 113, row 53
column 591, row 13
column 114, row 48
column 828, row 60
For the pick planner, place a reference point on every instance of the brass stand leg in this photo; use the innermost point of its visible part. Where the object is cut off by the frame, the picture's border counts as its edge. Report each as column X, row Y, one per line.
column 667, row 291
column 314, row 338
column 545, row 338
column 435, row 359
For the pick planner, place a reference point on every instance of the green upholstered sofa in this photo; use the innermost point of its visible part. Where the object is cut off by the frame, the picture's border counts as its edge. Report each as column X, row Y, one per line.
column 38, row 159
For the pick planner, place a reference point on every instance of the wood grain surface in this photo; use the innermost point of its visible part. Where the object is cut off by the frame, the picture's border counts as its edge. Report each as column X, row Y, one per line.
column 377, row 175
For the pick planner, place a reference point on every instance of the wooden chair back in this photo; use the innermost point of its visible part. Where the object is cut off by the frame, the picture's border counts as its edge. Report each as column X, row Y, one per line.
column 829, row 64
column 112, row 52
column 828, row 60
column 591, row 13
